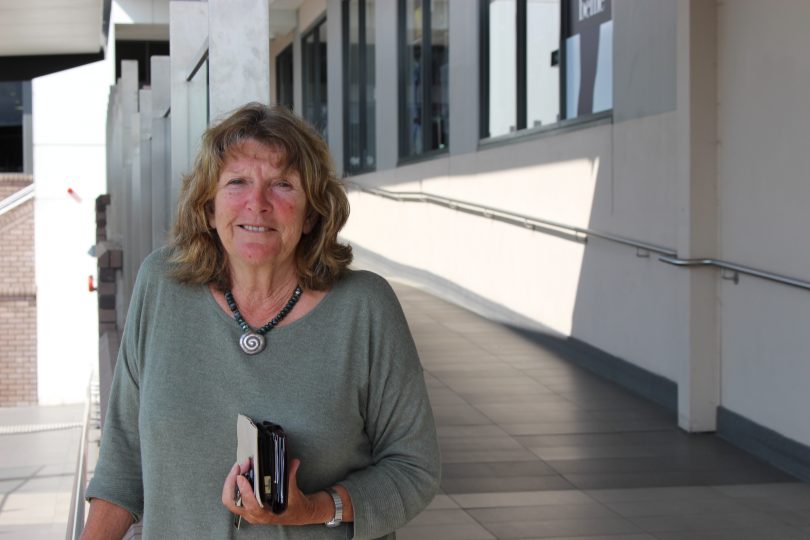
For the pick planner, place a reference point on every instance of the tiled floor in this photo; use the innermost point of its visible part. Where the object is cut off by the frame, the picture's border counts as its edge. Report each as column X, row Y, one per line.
column 535, row 447
column 38, row 451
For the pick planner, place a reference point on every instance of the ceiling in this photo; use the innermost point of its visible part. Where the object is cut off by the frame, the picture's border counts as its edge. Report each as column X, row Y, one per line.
column 44, row 27
column 38, row 37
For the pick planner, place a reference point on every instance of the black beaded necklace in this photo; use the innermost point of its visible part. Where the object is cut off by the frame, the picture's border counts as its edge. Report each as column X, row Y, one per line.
column 253, row 341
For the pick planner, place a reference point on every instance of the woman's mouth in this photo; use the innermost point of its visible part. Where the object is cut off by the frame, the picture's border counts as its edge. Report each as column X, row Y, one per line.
column 254, row 228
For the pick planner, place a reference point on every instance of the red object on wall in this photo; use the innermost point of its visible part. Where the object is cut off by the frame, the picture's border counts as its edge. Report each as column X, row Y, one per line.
column 90, row 285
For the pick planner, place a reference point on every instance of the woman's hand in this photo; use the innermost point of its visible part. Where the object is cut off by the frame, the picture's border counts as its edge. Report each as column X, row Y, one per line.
column 301, row 509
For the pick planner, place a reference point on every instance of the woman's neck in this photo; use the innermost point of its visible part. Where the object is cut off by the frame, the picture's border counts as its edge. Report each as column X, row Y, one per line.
column 261, row 293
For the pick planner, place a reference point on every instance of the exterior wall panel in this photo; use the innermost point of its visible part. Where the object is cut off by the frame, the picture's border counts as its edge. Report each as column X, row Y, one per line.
column 764, row 74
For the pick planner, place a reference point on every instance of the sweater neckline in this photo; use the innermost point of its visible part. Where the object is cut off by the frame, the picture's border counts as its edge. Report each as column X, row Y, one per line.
column 327, row 298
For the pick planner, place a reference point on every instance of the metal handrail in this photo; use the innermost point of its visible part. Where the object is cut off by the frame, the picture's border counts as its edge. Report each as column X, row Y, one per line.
column 737, row 269
column 667, row 255
column 16, row 199
column 75, row 524
column 529, row 222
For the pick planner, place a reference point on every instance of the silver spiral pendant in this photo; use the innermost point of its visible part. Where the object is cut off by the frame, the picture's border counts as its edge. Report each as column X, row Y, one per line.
column 252, row 343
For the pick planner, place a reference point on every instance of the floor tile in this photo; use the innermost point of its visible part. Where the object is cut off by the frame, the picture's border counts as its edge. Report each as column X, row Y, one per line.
column 506, row 484
column 444, row 532
column 562, row 527
column 525, row 498
column 533, row 513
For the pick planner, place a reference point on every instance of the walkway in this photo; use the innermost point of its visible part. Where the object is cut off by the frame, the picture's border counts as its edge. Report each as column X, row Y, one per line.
column 533, row 447
column 38, row 452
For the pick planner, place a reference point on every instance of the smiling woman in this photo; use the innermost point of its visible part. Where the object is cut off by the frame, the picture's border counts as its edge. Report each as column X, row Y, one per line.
column 259, row 211
column 255, row 251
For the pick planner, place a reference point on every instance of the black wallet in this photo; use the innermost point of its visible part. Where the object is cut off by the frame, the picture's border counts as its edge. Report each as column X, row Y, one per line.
column 265, row 445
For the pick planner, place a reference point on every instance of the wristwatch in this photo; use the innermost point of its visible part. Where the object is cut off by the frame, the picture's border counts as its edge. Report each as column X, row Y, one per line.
column 338, row 519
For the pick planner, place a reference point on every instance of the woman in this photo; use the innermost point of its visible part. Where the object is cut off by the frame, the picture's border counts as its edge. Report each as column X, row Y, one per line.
column 252, row 310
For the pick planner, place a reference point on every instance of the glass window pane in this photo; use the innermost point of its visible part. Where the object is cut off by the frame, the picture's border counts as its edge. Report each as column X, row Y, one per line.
column 589, row 58
column 440, row 47
column 284, row 78
column 308, row 53
column 314, row 80
column 353, row 53
column 371, row 83
column 502, row 67
column 359, row 86
column 322, row 114
column 413, row 77
column 542, row 79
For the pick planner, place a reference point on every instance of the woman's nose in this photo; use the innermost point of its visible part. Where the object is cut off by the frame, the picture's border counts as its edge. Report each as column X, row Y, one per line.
column 258, row 199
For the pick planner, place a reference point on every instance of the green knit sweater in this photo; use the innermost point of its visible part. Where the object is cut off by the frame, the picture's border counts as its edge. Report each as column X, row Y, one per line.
column 344, row 381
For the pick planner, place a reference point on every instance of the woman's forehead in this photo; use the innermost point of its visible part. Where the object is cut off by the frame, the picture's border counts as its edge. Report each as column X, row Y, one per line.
column 251, row 149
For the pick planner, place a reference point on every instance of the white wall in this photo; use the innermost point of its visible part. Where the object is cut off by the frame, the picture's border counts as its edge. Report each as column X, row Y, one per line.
column 763, row 161
column 69, row 115
column 69, row 125
column 600, row 293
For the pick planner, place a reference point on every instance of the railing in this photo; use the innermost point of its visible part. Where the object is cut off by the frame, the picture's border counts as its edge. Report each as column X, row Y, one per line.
column 75, row 524
column 670, row 256
column 16, row 199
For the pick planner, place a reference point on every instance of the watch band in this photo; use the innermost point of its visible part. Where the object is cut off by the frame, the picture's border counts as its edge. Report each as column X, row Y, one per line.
column 338, row 519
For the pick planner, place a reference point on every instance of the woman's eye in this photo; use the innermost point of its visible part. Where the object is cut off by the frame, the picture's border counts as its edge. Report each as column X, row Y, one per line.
column 235, row 181
column 283, row 184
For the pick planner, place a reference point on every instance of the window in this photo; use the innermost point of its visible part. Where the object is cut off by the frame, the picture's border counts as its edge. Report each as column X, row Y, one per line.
column 588, row 30
column 142, row 51
column 284, row 78
column 314, row 65
column 520, row 50
column 11, row 127
column 424, row 49
column 359, row 85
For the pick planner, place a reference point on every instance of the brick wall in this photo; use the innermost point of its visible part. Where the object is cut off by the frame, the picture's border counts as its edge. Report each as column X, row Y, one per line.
column 18, row 301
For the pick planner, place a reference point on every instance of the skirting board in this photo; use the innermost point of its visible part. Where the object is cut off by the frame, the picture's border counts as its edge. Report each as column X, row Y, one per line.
column 791, row 456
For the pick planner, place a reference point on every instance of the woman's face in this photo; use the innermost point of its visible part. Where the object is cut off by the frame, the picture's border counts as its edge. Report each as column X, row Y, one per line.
column 259, row 210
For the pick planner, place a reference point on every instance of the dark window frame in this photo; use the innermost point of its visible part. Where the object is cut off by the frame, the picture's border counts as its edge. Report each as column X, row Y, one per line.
column 285, row 61
column 426, row 74
column 362, row 86
column 311, row 72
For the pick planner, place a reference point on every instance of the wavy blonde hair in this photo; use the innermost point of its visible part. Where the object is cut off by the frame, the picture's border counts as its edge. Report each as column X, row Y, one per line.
column 197, row 253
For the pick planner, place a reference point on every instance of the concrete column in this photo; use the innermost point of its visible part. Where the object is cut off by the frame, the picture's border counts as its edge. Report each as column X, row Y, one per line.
column 386, row 64
column 143, row 207
column 160, row 149
column 699, row 381
column 464, row 79
column 334, row 78
column 238, row 54
column 128, row 88
column 188, row 30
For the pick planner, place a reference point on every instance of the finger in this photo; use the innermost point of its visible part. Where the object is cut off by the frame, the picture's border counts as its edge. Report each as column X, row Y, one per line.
column 229, row 488
column 295, row 464
column 249, row 502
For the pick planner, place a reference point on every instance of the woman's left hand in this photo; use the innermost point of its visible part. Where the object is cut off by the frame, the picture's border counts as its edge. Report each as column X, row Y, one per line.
column 301, row 509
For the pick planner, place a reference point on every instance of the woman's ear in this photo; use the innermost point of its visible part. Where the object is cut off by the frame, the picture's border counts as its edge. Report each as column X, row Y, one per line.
column 310, row 221
column 209, row 215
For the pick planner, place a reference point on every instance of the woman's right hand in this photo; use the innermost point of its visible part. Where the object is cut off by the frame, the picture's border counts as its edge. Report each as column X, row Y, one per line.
column 301, row 509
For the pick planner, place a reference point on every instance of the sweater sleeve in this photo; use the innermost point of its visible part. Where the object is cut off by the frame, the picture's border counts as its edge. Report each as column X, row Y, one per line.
column 118, row 477
column 404, row 475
